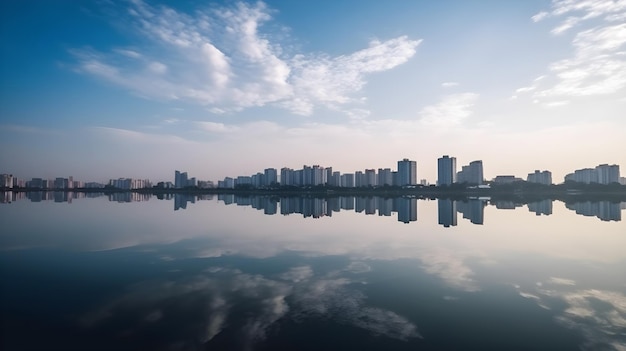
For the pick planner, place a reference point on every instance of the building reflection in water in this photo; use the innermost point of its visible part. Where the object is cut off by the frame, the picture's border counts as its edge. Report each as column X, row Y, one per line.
column 472, row 209
column 407, row 209
column 313, row 207
column 317, row 207
column 506, row 204
column 129, row 197
column 543, row 207
column 605, row 210
column 446, row 212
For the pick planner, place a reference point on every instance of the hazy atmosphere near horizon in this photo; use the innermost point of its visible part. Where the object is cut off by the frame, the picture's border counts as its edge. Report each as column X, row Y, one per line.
column 107, row 89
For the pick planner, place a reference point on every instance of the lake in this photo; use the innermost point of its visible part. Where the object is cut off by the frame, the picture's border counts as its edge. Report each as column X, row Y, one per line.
column 182, row 272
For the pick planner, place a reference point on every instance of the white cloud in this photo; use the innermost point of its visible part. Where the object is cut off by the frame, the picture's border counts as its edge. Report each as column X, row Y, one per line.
column 583, row 9
column 598, row 63
column 214, row 127
column 567, row 24
column 331, row 81
column 139, row 137
column 157, row 67
column 449, row 84
column 128, row 53
column 450, row 111
column 540, row 16
column 561, row 281
column 171, row 121
column 525, row 89
column 223, row 59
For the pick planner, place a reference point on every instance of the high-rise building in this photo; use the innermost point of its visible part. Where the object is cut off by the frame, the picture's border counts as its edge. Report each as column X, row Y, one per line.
column 270, row 176
column 318, row 175
column 307, row 175
column 506, row 179
column 6, row 181
column 608, row 174
column 130, row 183
column 286, row 176
column 359, row 179
column 446, row 170
column 347, row 180
column 385, row 177
column 328, row 176
column 258, row 180
column 602, row 174
column 61, row 183
column 540, row 177
column 471, row 174
column 335, row 179
column 407, row 172
column 181, row 179
column 370, row 177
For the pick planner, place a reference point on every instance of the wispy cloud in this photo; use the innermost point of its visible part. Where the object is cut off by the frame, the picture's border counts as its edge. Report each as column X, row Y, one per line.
column 561, row 281
column 598, row 63
column 225, row 59
column 214, row 127
column 139, row 137
column 449, row 84
column 450, row 111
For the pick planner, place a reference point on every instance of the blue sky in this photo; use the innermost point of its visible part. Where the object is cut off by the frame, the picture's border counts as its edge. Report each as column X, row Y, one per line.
column 137, row 89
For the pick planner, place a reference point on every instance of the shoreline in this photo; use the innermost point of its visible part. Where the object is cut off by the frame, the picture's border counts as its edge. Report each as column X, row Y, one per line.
column 508, row 191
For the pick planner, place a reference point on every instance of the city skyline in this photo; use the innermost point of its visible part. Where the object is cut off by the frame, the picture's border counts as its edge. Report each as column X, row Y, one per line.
column 138, row 89
column 406, row 174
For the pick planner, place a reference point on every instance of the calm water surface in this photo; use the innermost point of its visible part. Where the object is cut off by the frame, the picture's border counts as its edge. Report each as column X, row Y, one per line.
column 244, row 273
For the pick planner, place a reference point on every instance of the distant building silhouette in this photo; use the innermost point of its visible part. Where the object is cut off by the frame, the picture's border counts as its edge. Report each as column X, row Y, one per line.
column 602, row 174
column 407, row 172
column 540, row 177
column 446, row 170
column 6, row 181
column 471, row 174
column 385, row 176
column 506, row 179
column 130, row 183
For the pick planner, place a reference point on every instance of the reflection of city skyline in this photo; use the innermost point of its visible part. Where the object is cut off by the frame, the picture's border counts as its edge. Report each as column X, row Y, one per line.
column 604, row 210
column 405, row 207
column 472, row 209
column 316, row 207
column 543, row 207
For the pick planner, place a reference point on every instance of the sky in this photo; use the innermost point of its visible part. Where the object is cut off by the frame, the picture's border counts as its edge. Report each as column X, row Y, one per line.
column 109, row 89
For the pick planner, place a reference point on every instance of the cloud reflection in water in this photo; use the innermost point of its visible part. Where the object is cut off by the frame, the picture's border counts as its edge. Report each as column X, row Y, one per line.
column 245, row 305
